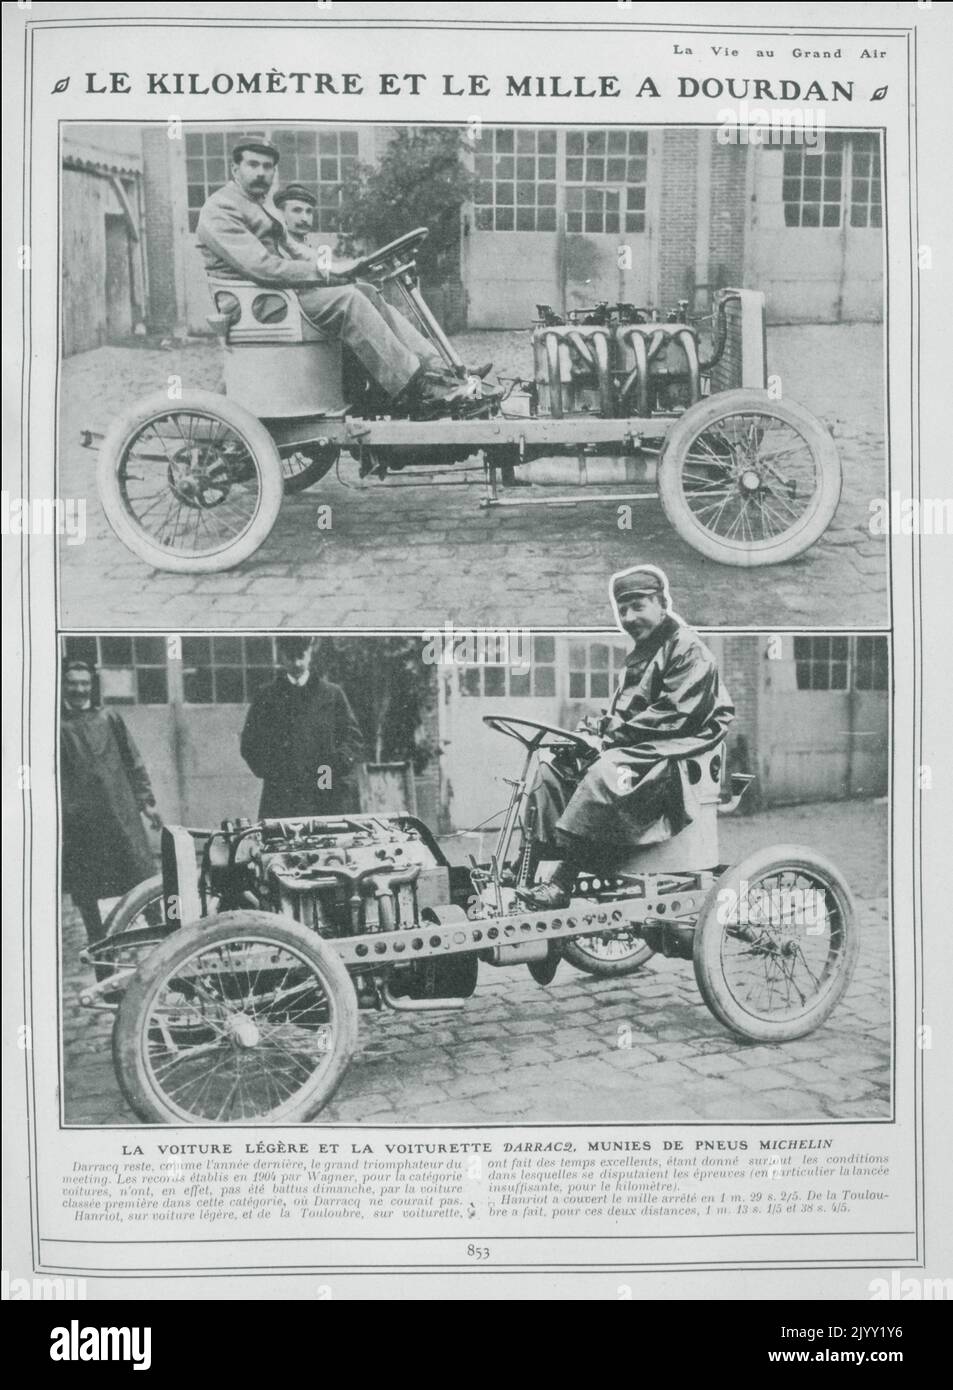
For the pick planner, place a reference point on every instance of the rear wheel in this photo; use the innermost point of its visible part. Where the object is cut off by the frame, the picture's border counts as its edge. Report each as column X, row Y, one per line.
column 192, row 485
column 776, row 944
column 308, row 465
column 141, row 907
column 134, row 928
column 616, row 953
column 747, row 480
column 243, row 1018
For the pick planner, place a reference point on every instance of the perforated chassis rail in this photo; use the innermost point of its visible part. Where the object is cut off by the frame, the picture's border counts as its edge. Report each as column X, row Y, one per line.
column 582, row 918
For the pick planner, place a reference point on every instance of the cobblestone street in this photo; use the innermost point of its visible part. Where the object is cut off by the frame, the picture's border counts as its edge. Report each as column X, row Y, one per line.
column 642, row 1048
column 417, row 556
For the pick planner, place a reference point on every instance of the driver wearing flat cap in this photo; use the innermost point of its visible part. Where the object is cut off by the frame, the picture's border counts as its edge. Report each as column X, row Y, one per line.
column 241, row 239
column 670, row 704
column 296, row 205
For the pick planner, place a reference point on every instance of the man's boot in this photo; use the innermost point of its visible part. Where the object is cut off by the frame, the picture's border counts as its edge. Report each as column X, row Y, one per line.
column 429, row 395
column 556, row 893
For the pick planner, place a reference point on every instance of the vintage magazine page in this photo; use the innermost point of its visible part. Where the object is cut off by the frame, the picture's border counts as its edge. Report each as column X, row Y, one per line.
column 476, row 788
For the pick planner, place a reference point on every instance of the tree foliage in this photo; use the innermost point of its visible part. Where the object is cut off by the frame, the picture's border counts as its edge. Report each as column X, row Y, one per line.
column 391, row 690
column 421, row 180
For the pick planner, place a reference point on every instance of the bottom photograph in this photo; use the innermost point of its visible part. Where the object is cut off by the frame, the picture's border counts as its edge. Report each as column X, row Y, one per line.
column 476, row 877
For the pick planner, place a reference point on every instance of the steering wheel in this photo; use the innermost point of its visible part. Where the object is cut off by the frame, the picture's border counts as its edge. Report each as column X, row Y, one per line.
column 533, row 734
column 399, row 247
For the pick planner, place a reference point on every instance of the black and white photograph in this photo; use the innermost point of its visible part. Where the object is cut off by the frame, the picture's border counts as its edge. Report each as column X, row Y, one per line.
column 567, row 347
column 473, row 879
column 476, row 546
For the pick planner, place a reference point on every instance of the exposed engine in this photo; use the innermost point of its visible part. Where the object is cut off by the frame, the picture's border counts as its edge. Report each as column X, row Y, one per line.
column 341, row 876
column 621, row 359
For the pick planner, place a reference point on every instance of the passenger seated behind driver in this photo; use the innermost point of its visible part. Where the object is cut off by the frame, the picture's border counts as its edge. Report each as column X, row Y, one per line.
column 670, row 704
column 239, row 238
column 296, row 205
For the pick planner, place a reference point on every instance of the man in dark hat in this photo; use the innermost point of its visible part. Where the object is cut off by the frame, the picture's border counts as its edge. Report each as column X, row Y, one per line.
column 239, row 238
column 106, row 794
column 302, row 739
column 296, row 205
column 670, row 704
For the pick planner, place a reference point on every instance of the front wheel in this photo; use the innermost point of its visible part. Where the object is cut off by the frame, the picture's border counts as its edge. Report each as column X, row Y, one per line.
column 192, row 485
column 776, row 944
column 243, row 1018
column 747, row 480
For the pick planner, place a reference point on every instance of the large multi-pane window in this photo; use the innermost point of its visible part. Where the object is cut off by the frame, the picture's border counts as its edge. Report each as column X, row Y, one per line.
column 131, row 670
column 820, row 187
column 841, row 663
column 208, row 163
column 866, row 185
column 320, row 159
column 505, row 671
column 594, row 669
column 516, row 180
column 226, row 670
column 322, row 162
column 595, row 161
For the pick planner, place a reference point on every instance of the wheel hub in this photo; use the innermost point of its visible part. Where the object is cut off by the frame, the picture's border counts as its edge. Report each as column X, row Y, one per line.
column 243, row 1031
column 199, row 477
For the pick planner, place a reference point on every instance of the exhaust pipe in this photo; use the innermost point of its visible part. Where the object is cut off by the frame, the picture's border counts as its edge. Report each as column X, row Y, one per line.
column 418, row 1006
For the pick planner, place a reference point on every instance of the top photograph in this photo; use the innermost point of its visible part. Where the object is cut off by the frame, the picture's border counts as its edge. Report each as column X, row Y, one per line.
column 395, row 376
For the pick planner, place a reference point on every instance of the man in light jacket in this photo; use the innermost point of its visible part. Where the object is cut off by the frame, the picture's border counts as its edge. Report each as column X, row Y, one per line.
column 239, row 238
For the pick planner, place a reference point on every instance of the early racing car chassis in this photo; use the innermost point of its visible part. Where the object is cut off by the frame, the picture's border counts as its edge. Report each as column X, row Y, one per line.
column 237, row 982
column 620, row 396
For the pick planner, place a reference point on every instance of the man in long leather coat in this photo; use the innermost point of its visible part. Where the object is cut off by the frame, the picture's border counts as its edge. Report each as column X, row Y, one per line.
column 302, row 739
column 670, row 704
column 106, row 792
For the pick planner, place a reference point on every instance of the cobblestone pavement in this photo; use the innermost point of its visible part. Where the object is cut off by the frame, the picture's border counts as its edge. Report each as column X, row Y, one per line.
column 419, row 556
column 524, row 1054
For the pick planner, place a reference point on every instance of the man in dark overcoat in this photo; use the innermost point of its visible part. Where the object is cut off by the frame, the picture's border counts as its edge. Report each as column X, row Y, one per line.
column 302, row 740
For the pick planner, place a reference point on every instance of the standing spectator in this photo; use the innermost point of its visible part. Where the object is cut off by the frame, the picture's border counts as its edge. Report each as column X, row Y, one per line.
column 302, row 740
column 106, row 793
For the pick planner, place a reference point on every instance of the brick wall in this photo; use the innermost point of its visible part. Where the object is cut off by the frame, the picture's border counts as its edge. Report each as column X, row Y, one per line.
column 161, row 241
column 740, row 665
column 726, row 237
column 429, row 782
column 677, row 217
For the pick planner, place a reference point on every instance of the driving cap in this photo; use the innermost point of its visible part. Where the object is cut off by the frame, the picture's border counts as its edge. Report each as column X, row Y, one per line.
column 294, row 193
column 259, row 147
column 639, row 581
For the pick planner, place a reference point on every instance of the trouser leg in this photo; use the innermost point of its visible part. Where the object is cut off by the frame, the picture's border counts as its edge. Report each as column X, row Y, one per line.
column 402, row 328
column 551, row 796
column 347, row 313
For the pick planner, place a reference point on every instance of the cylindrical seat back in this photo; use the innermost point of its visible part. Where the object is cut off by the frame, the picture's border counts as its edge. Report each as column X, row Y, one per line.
column 696, row 847
column 277, row 364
